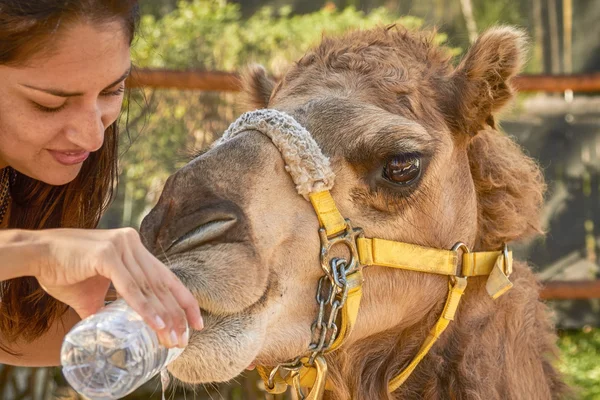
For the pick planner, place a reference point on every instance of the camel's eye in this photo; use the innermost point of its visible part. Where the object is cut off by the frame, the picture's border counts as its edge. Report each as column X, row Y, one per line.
column 403, row 170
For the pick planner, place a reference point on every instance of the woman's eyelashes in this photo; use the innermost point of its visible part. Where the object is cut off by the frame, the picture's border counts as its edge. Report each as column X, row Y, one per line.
column 116, row 92
column 49, row 109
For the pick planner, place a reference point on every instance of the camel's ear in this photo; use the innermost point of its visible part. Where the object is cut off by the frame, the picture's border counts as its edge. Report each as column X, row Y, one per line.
column 257, row 86
column 481, row 84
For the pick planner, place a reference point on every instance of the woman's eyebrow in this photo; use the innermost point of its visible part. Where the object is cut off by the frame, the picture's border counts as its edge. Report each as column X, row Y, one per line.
column 62, row 93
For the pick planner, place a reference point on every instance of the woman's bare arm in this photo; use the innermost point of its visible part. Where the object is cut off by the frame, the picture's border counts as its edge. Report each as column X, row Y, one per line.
column 20, row 253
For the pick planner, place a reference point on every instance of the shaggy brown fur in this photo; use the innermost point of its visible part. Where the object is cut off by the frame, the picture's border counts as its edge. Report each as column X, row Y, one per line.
column 509, row 188
column 258, row 87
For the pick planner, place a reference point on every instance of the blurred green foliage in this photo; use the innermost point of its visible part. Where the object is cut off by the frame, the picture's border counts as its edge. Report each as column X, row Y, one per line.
column 580, row 353
column 211, row 34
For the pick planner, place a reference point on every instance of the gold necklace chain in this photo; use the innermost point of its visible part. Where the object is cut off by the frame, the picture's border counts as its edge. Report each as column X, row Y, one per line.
column 4, row 192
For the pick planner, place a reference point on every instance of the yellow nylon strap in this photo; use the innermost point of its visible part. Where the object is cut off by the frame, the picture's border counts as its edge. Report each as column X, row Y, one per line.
column 455, row 293
column 412, row 257
column 327, row 212
column 350, row 308
column 406, row 256
column 479, row 263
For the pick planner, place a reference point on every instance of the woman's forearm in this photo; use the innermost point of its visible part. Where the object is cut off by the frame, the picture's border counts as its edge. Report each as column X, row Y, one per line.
column 20, row 252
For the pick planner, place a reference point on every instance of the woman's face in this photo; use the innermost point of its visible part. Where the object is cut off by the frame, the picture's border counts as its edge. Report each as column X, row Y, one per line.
column 55, row 108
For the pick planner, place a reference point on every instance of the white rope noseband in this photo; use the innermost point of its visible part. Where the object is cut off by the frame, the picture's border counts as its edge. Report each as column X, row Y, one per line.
column 305, row 162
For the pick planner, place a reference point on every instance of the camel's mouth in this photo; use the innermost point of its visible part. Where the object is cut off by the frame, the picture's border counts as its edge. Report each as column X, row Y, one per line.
column 200, row 235
column 228, row 344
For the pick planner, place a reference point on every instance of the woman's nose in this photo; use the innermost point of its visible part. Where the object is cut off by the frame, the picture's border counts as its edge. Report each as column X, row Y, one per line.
column 87, row 130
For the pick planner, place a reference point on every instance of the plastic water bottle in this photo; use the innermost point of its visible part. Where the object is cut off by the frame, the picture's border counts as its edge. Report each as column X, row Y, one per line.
column 113, row 352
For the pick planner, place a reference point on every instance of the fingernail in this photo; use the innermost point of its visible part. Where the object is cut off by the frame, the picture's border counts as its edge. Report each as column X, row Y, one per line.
column 160, row 324
column 173, row 338
column 183, row 340
column 199, row 324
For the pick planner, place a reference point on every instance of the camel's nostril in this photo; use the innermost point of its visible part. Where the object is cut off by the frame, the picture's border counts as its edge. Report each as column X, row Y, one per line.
column 203, row 233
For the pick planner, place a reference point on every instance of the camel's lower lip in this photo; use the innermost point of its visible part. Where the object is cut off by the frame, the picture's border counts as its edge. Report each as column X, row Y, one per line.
column 221, row 351
column 202, row 234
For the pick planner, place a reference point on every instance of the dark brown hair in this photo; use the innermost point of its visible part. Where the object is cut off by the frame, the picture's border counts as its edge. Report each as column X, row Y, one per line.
column 29, row 27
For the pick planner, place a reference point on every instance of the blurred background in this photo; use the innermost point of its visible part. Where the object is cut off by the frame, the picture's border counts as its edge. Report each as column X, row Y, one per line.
column 166, row 124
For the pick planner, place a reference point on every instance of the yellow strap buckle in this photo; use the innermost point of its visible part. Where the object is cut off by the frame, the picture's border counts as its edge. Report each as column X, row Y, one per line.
column 347, row 238
column 498, row 282
column 314, row 378
column 298, row 374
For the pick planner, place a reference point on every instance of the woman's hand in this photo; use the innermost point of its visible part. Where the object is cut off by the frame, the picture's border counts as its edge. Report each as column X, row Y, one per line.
column 77, row 266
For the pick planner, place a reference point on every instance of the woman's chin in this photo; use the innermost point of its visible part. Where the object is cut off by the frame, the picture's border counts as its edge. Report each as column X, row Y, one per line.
column 58, row 176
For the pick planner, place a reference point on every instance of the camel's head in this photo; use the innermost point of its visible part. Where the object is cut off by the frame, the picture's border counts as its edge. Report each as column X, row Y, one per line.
column 416, row 157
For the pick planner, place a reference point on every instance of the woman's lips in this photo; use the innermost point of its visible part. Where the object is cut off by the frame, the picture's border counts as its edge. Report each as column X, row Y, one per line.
column 69, row 157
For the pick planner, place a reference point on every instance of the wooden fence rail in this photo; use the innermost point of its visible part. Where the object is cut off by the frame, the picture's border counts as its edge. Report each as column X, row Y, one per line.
column 230, row 82
column 570, row 290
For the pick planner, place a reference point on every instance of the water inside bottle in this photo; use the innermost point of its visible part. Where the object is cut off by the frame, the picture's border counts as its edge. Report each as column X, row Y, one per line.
column 109, row 359
column 110, row 356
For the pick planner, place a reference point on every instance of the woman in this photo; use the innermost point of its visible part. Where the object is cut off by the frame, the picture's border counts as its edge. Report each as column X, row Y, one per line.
column 63, row 65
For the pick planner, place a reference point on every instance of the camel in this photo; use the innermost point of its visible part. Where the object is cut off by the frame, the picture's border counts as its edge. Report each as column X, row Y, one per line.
column 331, row 235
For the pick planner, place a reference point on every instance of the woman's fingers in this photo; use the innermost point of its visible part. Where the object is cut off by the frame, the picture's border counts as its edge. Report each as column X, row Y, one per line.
column 78, row 258
column 174, row 302
column 165, row 321
column 172, row 292
column 130, row 290
column 186, row 301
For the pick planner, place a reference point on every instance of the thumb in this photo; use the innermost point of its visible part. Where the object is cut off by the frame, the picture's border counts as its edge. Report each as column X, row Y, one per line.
column 87, row 298
column 83, row 305
column 88, row 307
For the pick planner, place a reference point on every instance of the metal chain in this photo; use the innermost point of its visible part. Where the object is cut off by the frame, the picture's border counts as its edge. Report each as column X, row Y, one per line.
column 331, row 296
column 332, row 293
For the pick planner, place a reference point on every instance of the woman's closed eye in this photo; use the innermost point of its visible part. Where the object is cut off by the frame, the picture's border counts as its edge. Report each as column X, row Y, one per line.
column 114, row 92
column 47, row 109
column 53, row 109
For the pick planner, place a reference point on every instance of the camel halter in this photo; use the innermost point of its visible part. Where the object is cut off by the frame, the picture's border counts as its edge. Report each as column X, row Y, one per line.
column 340, row 289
